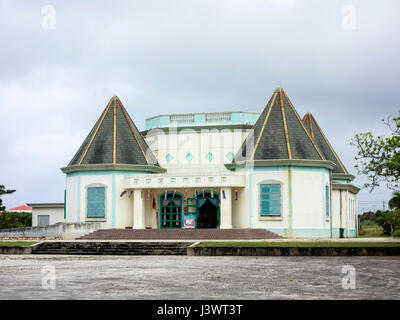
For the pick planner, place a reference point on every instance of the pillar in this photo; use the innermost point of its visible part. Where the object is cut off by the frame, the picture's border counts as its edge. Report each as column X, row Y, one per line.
column 226, row 208
column 138, row 209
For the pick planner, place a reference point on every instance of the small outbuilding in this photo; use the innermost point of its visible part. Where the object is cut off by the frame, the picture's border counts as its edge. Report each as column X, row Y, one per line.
column 44, row 214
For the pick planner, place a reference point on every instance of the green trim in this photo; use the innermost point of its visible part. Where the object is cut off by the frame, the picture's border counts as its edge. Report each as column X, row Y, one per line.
column 65, row 204
column 345, row 186
column 100, row 173
column 251, row 200
column 290, row 229
column 279, row 163
column 160, row 213
column 344, row 176
column 79, row 199
column 113, row 167
column 113, row 200
column 197, row 129
column 216, row 194
column 341, row 181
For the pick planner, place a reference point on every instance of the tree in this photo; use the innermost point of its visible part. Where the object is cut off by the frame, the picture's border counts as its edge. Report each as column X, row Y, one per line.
column 394, row 202
column 379, row 158
column 389, row 221
column 3, row 190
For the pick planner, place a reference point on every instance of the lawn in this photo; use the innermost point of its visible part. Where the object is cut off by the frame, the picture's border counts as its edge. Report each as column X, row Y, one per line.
column 371, row 231
column 298, row 244
column 16, row 243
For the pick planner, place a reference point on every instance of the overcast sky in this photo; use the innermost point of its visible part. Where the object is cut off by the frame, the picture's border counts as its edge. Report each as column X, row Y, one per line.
column 186, row 56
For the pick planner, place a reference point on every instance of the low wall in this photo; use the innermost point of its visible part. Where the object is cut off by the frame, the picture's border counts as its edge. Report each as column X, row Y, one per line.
column 17, row 250
column 293, row 251
column 63, row 230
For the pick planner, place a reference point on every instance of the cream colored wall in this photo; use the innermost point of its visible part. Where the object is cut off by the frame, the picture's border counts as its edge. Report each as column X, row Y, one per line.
column 71, row 199
column 308, row 194
column 124, row 204
column 308, row 188
column 199, row 144
column 55, row 215
column 346, row 220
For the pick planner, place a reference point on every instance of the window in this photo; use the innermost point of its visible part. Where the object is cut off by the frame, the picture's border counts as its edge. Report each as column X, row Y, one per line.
column 96, row 202
column 327, row 201
column 270, row 200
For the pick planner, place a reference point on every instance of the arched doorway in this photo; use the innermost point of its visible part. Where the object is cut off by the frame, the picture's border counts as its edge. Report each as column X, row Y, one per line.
column 208, row 210
column 170, row 210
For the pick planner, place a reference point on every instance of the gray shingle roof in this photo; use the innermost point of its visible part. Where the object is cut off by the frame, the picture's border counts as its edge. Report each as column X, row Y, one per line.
column 322, row 143
column 114, row 139
column 278, row 134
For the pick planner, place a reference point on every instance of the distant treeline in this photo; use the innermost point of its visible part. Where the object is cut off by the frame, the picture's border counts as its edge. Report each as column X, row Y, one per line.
column 15, row 219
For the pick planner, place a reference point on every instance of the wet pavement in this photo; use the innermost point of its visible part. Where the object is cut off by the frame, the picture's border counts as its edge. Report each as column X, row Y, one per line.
column 185, row 277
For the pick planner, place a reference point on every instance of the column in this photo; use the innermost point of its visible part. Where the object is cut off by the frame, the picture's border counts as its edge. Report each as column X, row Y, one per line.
column 226, row 208
column 138, row 209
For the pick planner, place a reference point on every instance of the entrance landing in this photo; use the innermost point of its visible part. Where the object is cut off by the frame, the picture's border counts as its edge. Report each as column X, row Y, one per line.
column 180, row 234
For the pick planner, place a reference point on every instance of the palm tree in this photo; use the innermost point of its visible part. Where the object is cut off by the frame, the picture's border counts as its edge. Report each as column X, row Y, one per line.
column 394, row 202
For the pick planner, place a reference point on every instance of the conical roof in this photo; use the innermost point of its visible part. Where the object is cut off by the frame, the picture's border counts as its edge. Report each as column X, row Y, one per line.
column 278, row 134
column 322, row 143
column 114, row 139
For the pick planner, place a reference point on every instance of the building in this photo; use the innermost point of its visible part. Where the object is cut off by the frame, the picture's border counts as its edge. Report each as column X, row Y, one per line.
column 271, row 170
column 44, row 214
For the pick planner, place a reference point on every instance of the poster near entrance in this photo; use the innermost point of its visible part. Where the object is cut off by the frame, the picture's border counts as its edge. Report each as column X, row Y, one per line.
column 189, row 221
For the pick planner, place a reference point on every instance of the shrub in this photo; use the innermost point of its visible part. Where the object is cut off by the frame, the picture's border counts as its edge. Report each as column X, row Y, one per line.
column 15, row 219
column 389, row 221
column 396, row 233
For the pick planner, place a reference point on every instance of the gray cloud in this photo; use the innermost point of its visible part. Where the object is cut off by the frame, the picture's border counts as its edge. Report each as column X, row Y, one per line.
column 185, row 56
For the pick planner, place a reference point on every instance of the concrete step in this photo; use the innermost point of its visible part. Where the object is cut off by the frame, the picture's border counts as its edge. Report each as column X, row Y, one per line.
column 111, row 248
column 180, row 234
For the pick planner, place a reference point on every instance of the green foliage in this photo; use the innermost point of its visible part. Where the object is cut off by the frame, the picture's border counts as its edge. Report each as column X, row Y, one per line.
column 15, row 220
column 394, row 202
column 396, row 233
column 379, row 158
column 3, row 190
column 389, row 221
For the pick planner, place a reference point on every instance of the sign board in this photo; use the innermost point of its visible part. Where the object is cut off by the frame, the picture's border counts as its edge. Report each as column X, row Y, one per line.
column 189, row 221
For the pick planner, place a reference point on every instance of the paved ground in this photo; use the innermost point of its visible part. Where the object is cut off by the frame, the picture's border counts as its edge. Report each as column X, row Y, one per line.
column 181, row 277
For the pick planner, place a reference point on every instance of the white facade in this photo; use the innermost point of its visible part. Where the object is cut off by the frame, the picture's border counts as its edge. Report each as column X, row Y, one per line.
column 311, row 204
column 47, row 214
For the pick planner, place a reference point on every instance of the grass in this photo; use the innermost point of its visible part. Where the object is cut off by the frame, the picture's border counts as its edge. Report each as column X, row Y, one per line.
column 298, row 244
column 371, row 231
column 16, row 243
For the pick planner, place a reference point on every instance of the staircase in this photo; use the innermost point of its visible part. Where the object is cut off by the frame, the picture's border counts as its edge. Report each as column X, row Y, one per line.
column 180, row 234
column 111, row 248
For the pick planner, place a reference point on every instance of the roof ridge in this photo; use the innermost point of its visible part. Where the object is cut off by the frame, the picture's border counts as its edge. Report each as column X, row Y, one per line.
column 285, row 129
column 273, row 97
column 327, row 142
column 97, row 129
column 133, row 132
column 308, row 135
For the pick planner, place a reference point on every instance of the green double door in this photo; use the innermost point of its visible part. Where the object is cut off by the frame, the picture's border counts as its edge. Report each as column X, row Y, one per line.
column 205, row 210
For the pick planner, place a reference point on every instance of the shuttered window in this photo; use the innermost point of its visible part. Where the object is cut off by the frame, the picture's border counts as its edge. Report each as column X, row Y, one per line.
column 327, row 201
column 96, row 202
column 270, row 198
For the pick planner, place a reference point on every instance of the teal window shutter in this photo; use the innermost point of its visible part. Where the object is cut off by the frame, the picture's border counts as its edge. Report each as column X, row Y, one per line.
column 270, row 198
column 327, row 201
column 96, row 202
